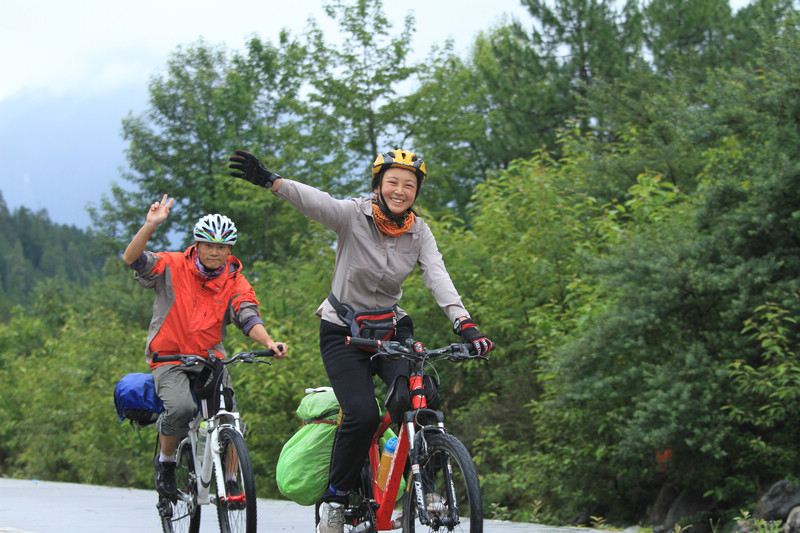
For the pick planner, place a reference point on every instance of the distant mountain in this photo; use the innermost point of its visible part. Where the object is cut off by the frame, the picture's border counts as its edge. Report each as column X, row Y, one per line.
column 59, row 154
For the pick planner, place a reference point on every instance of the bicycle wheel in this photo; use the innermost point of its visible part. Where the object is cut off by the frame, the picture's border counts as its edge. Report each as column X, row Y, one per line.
column 236, row 501
column 450, row 487
column 182, row 515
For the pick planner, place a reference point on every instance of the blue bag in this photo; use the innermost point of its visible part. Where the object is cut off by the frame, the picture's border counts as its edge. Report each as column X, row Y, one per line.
column 135, row 399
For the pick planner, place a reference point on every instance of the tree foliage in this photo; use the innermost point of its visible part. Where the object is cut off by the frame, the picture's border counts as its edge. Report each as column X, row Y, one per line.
column 353, row 87
column 36, row 249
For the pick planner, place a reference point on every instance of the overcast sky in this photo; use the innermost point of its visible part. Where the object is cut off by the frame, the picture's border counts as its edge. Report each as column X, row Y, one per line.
column 60, row 46
column 72, row 70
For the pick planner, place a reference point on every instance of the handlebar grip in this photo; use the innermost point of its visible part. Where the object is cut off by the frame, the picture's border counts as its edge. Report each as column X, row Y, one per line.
column 263, row 353
column 166, row 359
column 363, row 343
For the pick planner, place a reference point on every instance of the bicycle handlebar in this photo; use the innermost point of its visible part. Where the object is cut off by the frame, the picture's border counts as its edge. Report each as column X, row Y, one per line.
column 252, row 356
column 417, row 351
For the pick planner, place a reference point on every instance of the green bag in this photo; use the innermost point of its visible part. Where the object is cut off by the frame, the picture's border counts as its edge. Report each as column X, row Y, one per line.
column 304, row 462
column 305, row 459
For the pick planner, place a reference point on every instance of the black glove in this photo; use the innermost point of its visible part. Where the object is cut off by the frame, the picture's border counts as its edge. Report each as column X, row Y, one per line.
column 470, row 334
column 249, row 168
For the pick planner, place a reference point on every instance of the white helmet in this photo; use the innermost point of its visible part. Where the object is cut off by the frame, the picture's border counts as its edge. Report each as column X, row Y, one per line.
column 215, row 228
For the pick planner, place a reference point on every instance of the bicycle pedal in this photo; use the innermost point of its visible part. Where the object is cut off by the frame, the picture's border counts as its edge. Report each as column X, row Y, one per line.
column 164, row 508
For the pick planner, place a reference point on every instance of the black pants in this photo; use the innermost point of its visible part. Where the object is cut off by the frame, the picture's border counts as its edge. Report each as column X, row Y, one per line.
column 350, row 372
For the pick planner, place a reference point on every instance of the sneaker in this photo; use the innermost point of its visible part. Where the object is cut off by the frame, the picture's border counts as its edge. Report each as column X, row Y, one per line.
column 434, row 503
column 331, row 518
column 165, row 479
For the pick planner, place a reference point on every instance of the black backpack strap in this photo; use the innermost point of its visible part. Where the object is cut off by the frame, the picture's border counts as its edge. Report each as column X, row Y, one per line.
column 345, row 312
column 206, row 383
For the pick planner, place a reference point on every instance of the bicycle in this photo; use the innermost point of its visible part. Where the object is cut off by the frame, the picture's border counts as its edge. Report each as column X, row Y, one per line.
column 442, row 483
column 214, row 450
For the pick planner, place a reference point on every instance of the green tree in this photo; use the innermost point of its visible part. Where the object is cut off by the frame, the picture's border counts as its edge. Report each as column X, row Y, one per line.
column 754, row 23
column 687, row 36
column 207, row 104
column 36, row 249
column 585, row 41
column 652, row 371
column 447, row 115
column 353, row 87
column 527, row 96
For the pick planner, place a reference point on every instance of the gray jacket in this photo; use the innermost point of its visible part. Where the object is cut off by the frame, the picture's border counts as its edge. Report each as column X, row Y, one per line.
column 370, row 267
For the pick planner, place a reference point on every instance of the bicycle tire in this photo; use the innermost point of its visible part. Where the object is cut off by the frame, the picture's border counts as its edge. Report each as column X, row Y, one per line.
column 236, row 510
column 179, row 516
column 439, row 451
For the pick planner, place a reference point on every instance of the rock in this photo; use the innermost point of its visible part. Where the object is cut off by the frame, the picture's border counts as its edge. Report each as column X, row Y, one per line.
column 778, row 502
column 666, row 496
column 689, row 504
column 792, row 524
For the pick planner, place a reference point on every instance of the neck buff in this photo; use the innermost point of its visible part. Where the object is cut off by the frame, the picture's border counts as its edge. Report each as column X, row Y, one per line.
column 389, row 223
column 208, row 274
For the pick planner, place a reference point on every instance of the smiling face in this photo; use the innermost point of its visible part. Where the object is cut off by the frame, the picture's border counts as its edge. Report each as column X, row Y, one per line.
column 213, row 255
column 399, row 189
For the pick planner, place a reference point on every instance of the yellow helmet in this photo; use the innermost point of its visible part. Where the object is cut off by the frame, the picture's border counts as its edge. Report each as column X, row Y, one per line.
column 401, row 159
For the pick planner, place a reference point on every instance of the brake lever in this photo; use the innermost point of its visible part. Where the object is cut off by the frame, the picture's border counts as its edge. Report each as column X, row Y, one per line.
column 192, row 360
column 463, row 351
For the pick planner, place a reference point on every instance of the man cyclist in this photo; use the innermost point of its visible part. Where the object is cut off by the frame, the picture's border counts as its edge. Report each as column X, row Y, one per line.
column 197, row 294
column 380, row 242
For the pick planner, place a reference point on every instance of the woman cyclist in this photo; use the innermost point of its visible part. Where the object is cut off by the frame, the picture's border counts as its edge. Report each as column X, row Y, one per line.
column 380, row 242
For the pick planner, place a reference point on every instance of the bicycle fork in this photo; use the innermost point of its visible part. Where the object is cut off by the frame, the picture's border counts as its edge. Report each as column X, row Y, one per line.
column 417, row 447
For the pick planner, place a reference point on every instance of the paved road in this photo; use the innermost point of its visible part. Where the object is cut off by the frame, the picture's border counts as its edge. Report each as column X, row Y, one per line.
column 28, row 506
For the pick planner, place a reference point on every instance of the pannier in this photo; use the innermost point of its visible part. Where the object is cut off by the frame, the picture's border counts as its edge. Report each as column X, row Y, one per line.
column 135, row 399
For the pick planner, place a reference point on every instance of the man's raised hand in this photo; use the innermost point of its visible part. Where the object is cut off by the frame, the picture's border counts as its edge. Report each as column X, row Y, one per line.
column 159, row 211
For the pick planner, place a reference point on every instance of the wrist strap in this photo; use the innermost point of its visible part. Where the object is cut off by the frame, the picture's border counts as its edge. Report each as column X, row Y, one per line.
column 459, row 324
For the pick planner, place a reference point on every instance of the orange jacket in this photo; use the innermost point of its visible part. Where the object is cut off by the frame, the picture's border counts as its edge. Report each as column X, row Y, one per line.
column 191, row 312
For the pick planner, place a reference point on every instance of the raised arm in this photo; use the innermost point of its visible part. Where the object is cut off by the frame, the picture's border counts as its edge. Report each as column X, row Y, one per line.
column 158, row 213
column 313, row 203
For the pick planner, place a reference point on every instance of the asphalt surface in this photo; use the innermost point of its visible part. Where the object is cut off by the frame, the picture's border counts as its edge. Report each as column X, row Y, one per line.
column 31, row 506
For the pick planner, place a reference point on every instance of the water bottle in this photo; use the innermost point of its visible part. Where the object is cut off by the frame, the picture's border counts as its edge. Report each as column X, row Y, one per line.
column 386, row 461
column 202, row 434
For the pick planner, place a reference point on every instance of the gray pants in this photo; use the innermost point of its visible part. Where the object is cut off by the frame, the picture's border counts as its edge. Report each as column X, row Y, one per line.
column 175, row 390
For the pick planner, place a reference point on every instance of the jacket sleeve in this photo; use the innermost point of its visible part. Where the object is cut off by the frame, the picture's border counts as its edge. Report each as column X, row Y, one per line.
column 148, row 268
column 243, row 311
column 437, row 279
column 316, row 204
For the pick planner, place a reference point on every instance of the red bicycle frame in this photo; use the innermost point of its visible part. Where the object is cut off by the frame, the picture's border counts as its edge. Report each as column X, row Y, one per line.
column 387, row 497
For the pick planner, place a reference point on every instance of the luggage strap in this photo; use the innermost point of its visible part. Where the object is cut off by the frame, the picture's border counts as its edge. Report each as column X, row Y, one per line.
column 323, row 418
